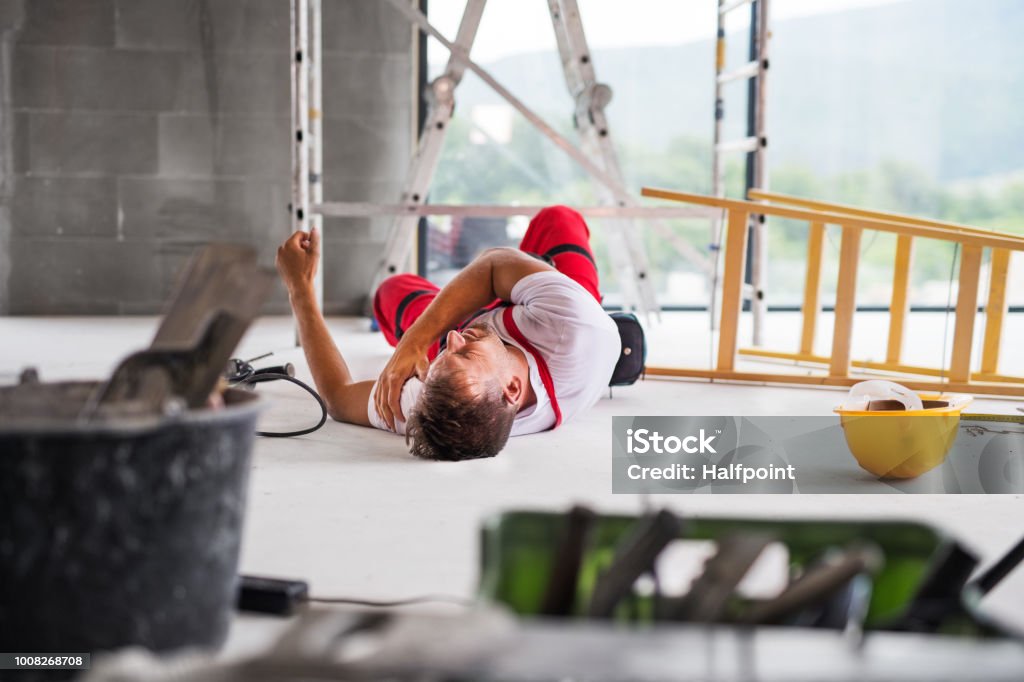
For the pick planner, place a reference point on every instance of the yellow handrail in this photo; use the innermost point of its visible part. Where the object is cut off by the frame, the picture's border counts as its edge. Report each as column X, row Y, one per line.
column 966, row 237
column 813, row 204
column 853, row 222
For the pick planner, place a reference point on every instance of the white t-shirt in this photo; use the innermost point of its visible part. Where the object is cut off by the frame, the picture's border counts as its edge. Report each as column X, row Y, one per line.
column 565, row 324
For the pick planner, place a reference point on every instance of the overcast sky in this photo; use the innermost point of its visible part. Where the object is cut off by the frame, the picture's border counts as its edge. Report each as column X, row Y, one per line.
column 514, row 26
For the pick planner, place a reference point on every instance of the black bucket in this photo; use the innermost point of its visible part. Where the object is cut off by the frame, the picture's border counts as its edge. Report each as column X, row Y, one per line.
column 121, row 531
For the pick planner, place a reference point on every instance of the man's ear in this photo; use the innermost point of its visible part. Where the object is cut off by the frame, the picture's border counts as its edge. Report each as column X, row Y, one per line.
column 512, row 391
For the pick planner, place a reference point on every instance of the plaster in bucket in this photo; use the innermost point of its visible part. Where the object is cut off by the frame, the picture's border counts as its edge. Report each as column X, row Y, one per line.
column 894, row 432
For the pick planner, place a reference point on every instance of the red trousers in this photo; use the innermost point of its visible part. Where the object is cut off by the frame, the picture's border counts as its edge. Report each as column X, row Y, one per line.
column 558, row 234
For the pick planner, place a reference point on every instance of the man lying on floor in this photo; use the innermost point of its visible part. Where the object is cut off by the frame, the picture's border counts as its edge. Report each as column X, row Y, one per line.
column 510, row 346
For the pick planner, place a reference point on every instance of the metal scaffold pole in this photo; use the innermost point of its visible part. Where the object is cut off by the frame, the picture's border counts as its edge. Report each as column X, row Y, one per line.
column 306, row 121
column 316, row 142
column 754, row 146
column 757, row 171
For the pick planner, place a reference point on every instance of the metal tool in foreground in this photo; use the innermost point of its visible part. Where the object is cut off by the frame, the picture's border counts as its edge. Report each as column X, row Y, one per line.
column 219, row 295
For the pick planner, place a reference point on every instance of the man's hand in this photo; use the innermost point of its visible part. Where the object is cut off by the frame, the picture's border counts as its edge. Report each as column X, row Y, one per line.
column 297, row 260
column 409, row 359
column 491, row 275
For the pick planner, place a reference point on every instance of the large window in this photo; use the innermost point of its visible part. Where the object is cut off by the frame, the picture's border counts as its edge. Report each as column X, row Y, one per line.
column 912, row 106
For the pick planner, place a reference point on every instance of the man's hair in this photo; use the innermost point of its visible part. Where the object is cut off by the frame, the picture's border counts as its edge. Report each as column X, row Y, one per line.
column 449, row 423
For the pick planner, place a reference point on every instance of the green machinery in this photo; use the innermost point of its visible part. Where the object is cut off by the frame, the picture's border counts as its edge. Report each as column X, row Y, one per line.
column 847, row 575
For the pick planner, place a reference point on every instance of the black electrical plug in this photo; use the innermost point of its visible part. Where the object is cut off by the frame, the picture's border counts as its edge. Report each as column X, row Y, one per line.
column 275, row 596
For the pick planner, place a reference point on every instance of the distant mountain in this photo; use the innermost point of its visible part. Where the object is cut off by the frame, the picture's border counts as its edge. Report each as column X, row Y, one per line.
column 935, row 83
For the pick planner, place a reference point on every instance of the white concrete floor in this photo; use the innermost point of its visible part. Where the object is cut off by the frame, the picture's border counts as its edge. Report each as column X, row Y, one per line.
column 349, row 510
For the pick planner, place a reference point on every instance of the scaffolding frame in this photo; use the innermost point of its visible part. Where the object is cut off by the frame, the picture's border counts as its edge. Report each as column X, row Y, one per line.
column 308, row 206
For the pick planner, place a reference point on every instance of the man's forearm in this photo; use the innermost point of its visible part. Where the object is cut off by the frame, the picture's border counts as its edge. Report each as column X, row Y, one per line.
column 330, row 372
column 491, row 275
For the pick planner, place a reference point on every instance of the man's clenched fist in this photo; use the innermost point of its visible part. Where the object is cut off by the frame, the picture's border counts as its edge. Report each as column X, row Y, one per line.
column 297, row 260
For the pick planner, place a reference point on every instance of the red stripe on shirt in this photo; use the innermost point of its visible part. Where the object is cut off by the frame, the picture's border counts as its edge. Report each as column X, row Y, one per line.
column 542, row 366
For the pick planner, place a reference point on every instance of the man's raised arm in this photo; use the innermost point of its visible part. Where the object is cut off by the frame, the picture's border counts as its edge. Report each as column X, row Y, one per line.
column 346, row 400
column 491, row 275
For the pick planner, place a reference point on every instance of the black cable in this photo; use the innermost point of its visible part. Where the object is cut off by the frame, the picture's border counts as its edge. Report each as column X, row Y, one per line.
column 391, row 603
column 260, row 378
column 242, row 373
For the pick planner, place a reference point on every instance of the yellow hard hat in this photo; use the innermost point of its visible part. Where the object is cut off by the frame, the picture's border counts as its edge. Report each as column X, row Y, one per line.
column 896, row 433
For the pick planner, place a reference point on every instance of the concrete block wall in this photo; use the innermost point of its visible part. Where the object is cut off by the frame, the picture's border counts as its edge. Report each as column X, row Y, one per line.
column 132, row 131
